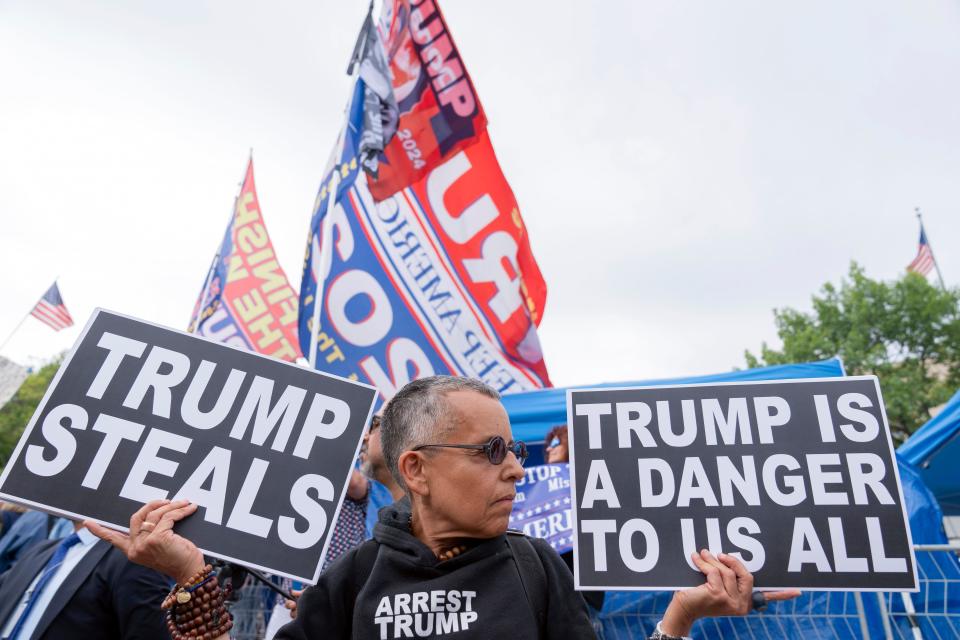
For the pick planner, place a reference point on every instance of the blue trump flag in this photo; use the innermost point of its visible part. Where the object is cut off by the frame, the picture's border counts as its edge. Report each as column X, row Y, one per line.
column 400, row 298
column 418, row 261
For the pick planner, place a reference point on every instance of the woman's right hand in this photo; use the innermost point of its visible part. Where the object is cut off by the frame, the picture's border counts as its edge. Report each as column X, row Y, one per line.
column 152, row 542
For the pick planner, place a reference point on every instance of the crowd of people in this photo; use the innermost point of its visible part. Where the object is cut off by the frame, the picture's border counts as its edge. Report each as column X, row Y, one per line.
column 440, row 559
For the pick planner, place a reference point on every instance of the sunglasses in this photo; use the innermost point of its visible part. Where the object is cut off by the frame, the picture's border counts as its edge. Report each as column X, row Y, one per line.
column 496, row 449
column 554, row 443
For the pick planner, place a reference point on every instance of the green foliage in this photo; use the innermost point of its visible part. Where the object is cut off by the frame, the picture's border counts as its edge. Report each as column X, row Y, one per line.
column 16, row 413
column 906, row 332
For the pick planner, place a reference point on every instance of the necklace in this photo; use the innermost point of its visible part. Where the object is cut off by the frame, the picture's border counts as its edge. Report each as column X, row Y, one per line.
column 443, row 556
column 451, row 552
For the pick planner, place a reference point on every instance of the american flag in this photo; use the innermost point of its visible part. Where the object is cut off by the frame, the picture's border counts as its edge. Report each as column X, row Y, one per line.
column 51, row 311
column 924, row 260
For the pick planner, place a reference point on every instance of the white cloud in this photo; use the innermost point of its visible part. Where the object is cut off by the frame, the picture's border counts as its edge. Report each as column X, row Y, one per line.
column 683, row 167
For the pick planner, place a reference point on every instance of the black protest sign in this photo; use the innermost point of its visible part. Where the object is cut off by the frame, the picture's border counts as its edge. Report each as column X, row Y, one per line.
column 796, row 478
column 139, row 412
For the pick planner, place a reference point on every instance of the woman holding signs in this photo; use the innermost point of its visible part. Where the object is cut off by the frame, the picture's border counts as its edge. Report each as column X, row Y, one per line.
column 447, row 565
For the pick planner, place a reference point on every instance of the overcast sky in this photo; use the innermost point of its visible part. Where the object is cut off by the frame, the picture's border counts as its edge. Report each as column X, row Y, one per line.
column 683, row 167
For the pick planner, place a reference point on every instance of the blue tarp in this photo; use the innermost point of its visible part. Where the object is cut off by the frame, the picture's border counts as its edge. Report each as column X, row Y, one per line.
column 926, row 519
column 533, row 413
column 938, row 600
column 934, row 449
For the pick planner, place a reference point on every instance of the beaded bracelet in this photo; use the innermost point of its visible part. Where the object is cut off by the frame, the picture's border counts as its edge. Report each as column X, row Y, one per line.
column 196, row 610
column 181, row 594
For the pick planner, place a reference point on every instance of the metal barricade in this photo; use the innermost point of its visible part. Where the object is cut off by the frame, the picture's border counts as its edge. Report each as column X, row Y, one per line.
column 827, row 615
column 251, row 611
column 933, row 613
column 951, row 526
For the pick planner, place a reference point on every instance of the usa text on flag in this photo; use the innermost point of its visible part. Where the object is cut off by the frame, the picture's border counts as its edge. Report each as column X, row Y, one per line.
column 51, row 311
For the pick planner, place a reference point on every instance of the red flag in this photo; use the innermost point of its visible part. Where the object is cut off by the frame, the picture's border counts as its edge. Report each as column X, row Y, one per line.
column 247, row 300
column 440, row 113
column 469, row 201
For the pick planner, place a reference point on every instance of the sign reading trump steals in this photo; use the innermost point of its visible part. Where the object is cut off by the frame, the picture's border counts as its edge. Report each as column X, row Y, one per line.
column 139, row 412
column 796, row 478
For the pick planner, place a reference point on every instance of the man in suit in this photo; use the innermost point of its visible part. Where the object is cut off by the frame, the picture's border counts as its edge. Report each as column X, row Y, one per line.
column 80, row 587
column 30, row 528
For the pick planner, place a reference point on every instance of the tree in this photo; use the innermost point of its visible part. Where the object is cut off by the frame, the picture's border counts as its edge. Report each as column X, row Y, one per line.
column 15, row 415
column 906, row 332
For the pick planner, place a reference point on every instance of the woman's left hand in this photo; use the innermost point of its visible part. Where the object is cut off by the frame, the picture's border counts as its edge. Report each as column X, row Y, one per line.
column 728, row 591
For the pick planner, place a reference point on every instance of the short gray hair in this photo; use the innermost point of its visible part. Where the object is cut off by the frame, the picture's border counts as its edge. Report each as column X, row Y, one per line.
column 420, row 414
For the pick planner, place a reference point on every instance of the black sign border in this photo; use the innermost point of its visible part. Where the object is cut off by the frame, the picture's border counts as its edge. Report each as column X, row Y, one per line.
column 573, row 482
column 14, row 457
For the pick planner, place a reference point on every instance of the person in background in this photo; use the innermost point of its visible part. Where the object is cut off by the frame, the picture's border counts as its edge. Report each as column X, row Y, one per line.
column 8, row 515
column 62, row 527
column 350, row 528
column 446, row 560
column 556, row 445
column 372, row 463
column 80, row 587
column 30, row 528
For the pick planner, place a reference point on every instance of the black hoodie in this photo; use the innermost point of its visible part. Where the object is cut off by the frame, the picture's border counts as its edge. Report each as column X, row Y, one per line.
column 409, row 593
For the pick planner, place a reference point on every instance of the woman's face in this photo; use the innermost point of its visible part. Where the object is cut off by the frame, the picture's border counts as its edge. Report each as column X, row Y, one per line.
column 470, row 496
column 557, row 451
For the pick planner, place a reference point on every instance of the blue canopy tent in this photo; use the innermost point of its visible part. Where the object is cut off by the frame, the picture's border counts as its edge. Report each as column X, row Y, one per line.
column 934, row 449
column 533, row 413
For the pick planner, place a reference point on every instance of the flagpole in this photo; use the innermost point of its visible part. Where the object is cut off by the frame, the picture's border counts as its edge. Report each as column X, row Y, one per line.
column 217, row 256
column 24, row 318
column 326, row 226
column 16, row 328
column 205, row 291
column 932, row 254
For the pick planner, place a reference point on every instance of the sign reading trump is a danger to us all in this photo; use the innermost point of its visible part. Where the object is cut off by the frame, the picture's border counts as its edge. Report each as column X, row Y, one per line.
column 139, row 412
column 795, row 478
